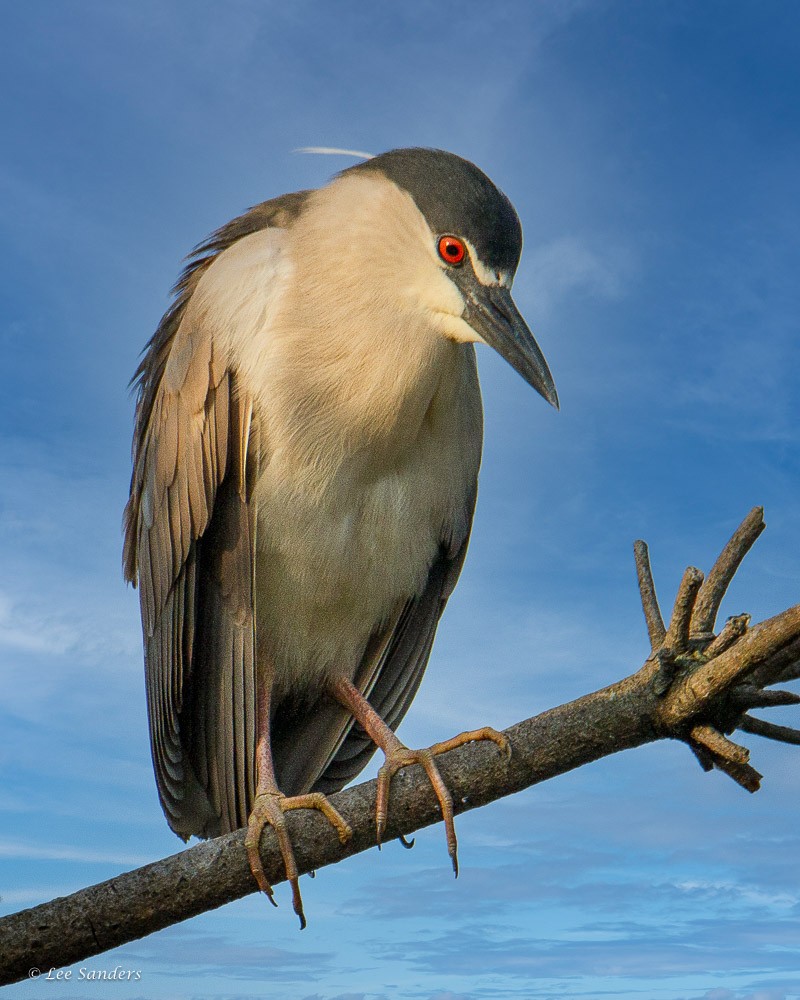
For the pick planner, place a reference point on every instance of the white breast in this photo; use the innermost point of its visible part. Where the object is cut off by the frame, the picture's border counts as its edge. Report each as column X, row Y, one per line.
column 343, row 543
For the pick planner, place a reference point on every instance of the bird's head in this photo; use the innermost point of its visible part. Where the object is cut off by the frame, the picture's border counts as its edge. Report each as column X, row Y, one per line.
column 451, row 241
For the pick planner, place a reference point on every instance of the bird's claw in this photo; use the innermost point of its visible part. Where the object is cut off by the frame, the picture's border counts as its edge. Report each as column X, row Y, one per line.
column 268, row 810
column 400, row 756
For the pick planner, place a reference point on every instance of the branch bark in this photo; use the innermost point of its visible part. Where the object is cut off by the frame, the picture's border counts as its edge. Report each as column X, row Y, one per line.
column 693, row 687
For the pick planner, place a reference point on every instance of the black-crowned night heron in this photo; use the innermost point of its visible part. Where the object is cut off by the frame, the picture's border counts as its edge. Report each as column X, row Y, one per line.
column 306, row 452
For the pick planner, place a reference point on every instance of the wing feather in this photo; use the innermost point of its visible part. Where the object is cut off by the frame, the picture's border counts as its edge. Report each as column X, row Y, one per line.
column 189, row 545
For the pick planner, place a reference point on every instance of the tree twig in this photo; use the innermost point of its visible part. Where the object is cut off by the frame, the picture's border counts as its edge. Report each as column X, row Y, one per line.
column 724, row 570
column 760, row 727
column 647, row 591
column 733, row 629
column 677, row 637
column 720, row 673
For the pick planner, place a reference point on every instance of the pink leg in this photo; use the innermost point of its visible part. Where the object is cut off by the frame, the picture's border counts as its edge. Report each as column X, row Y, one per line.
column 399, row 756
column 269, row 808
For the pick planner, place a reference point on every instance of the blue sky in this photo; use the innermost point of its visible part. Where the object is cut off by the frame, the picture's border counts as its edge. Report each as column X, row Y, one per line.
column 651, row 150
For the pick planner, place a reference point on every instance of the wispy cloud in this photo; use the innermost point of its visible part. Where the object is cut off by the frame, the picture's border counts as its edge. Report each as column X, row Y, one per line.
column 33, row 895
column 766, row 993
column 574, row 265
column 624, row 950
column 187, row 954
column 27, row 632
column 67, row 852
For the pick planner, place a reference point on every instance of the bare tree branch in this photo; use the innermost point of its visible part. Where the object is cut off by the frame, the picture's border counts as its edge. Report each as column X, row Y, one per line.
column 647, row 589
column 724, row 570
column 783, row 734
column 693, row 687
column 677, row 637
column 734, row 629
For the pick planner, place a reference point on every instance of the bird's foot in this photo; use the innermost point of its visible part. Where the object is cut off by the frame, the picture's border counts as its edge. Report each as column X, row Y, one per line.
column 399, row 756
column 268, row 810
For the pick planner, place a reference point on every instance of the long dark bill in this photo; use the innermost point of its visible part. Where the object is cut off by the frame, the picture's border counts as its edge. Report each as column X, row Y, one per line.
column 491, row 312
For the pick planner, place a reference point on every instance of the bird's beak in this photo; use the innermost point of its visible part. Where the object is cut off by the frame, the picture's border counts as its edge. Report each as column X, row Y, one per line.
column 492, row 314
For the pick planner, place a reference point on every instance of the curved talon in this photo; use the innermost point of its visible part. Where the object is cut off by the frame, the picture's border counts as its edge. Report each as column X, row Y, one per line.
column 445, row 804
column 261, row 816
column 268, row 810
column 399, row 756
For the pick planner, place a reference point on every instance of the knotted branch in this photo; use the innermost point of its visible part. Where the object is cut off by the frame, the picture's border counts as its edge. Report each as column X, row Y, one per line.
column 708, row 683
column 694, row 687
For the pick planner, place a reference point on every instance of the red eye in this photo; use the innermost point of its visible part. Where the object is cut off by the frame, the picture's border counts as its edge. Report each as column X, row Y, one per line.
column 451, row 249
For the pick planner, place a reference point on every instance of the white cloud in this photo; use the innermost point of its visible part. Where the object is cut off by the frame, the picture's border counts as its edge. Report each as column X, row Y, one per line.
column 66, row 852
column 572, row 264
column 32, row 895
column 31, row 633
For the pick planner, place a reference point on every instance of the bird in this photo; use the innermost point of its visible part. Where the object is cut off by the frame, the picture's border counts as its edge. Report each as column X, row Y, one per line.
column 307, row 439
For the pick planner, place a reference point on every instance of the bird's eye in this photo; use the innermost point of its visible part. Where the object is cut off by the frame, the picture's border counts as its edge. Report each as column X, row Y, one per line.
column 451, row 249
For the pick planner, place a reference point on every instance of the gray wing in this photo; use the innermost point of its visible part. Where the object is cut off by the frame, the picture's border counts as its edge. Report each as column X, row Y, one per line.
column 336, row 750
column 189, row 544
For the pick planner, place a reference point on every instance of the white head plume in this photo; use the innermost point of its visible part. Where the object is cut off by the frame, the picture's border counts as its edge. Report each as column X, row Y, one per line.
column 334, row 151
